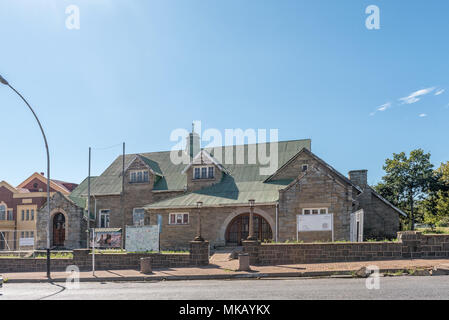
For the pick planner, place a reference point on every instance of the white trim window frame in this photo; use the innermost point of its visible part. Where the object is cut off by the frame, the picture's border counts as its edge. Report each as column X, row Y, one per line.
column 139, row 176
column 104, row 218
column 203, row 172
column 178, row 218
column 308, row 211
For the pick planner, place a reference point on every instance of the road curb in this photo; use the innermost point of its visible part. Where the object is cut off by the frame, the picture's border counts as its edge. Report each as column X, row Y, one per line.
column 253, row 275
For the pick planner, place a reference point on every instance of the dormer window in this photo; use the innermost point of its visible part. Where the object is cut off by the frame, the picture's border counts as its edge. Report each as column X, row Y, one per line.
column 204, row 172
column 139, row 176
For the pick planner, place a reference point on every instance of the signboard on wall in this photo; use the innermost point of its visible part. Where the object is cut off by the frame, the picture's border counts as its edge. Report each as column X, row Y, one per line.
column 26, row 242
column 142, row 238
column 106, row 238
column 315, row 222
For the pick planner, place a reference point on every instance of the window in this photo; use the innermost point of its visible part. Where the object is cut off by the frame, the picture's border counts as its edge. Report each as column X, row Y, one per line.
column 28, row 214
column 10, row 215
column 139, row 176
column 104, row 218
column 139, row 216
column 179, row 218
column 305, row 167
column 206, row 172
column 211, row 173
column 314, row 211
column 197, row 173
column 32, row 214
column 23, row 215
column 31, row 234
column 2, row 212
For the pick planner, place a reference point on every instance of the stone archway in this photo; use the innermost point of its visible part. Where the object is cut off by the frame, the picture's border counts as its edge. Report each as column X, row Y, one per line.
column 242, row 211
column 59, row 228
column 238, row 229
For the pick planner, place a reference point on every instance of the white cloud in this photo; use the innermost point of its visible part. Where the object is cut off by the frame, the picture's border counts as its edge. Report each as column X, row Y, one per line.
column 384, row 106
column 416, row 96
column 423, row 115
column 381, row 108
column 441, row 91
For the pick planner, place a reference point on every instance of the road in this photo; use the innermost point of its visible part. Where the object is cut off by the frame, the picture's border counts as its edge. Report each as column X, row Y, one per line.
column 298, row 289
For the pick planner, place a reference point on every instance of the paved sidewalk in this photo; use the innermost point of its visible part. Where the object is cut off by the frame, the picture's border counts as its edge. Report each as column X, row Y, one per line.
column 227, row 270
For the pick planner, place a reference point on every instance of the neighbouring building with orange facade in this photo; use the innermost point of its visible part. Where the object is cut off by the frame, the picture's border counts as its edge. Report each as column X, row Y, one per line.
column 19, row 206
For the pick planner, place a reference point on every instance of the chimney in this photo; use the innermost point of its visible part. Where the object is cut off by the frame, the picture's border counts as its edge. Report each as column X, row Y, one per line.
column 359, row 178
column 193, row 143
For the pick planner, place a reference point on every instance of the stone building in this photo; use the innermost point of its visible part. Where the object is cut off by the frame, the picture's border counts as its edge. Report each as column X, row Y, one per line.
column 68, row 223
column 301, row 184
column 19, row 209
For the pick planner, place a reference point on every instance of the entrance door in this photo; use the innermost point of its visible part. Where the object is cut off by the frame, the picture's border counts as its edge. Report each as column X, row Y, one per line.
column 238, row 229
column 356, row 226
column 59, row 230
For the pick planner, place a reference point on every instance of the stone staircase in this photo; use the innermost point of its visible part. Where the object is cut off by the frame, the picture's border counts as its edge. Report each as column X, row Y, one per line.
column 224, row 254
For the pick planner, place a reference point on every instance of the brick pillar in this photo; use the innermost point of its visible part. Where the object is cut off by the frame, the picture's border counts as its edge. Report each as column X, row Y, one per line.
column 81, row 257
column 411, row 244
column 252, row 248
column 199, row 253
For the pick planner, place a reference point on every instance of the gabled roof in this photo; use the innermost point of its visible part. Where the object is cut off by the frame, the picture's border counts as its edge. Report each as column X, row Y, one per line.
column 110, row 181
column 54, row 184
column 203, row 157
column 151, row 165
column 319, row 160
column 388, row 203
column 8, row 186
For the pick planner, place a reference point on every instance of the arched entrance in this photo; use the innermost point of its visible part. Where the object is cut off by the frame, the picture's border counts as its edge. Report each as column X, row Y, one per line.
column 238, row 229
column 59, row 230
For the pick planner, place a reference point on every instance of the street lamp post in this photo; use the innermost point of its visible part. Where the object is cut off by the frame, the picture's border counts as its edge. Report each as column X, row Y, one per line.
column 198, row 237
column 251, row 220
column 3, row 81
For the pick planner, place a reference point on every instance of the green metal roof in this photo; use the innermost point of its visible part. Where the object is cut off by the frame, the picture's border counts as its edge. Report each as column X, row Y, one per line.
column 243, row 179
column 79, row 195
column 226, row 193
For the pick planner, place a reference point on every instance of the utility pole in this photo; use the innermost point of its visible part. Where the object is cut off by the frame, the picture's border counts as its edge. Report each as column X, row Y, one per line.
column 122, row 198
column 88, row 201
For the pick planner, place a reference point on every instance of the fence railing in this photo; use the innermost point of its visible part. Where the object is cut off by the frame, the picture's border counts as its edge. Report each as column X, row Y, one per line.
column 17, row 240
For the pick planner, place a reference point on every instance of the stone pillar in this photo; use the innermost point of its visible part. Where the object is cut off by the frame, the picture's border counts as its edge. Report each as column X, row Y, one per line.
column 244, row 262
column 411, row 244
column 199, row 253
column 252, row 248
column 145, row 265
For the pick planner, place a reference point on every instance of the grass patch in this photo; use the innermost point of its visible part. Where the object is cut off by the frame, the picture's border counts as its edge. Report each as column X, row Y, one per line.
column 439, row 230
column 395, row 274
column 55, row 255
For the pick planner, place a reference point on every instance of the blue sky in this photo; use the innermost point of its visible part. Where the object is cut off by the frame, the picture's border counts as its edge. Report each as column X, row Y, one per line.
column 137, row 69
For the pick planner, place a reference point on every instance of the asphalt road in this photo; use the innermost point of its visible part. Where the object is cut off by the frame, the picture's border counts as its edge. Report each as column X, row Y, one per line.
column 298, row 289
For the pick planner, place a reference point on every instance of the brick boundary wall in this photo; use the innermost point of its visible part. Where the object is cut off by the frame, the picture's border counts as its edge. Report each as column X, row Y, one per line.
column 410, row 245
column 82, row 258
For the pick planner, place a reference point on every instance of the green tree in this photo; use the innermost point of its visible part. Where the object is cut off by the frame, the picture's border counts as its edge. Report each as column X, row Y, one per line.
column 407, row 180
column 443, row 192
column 436, row 204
